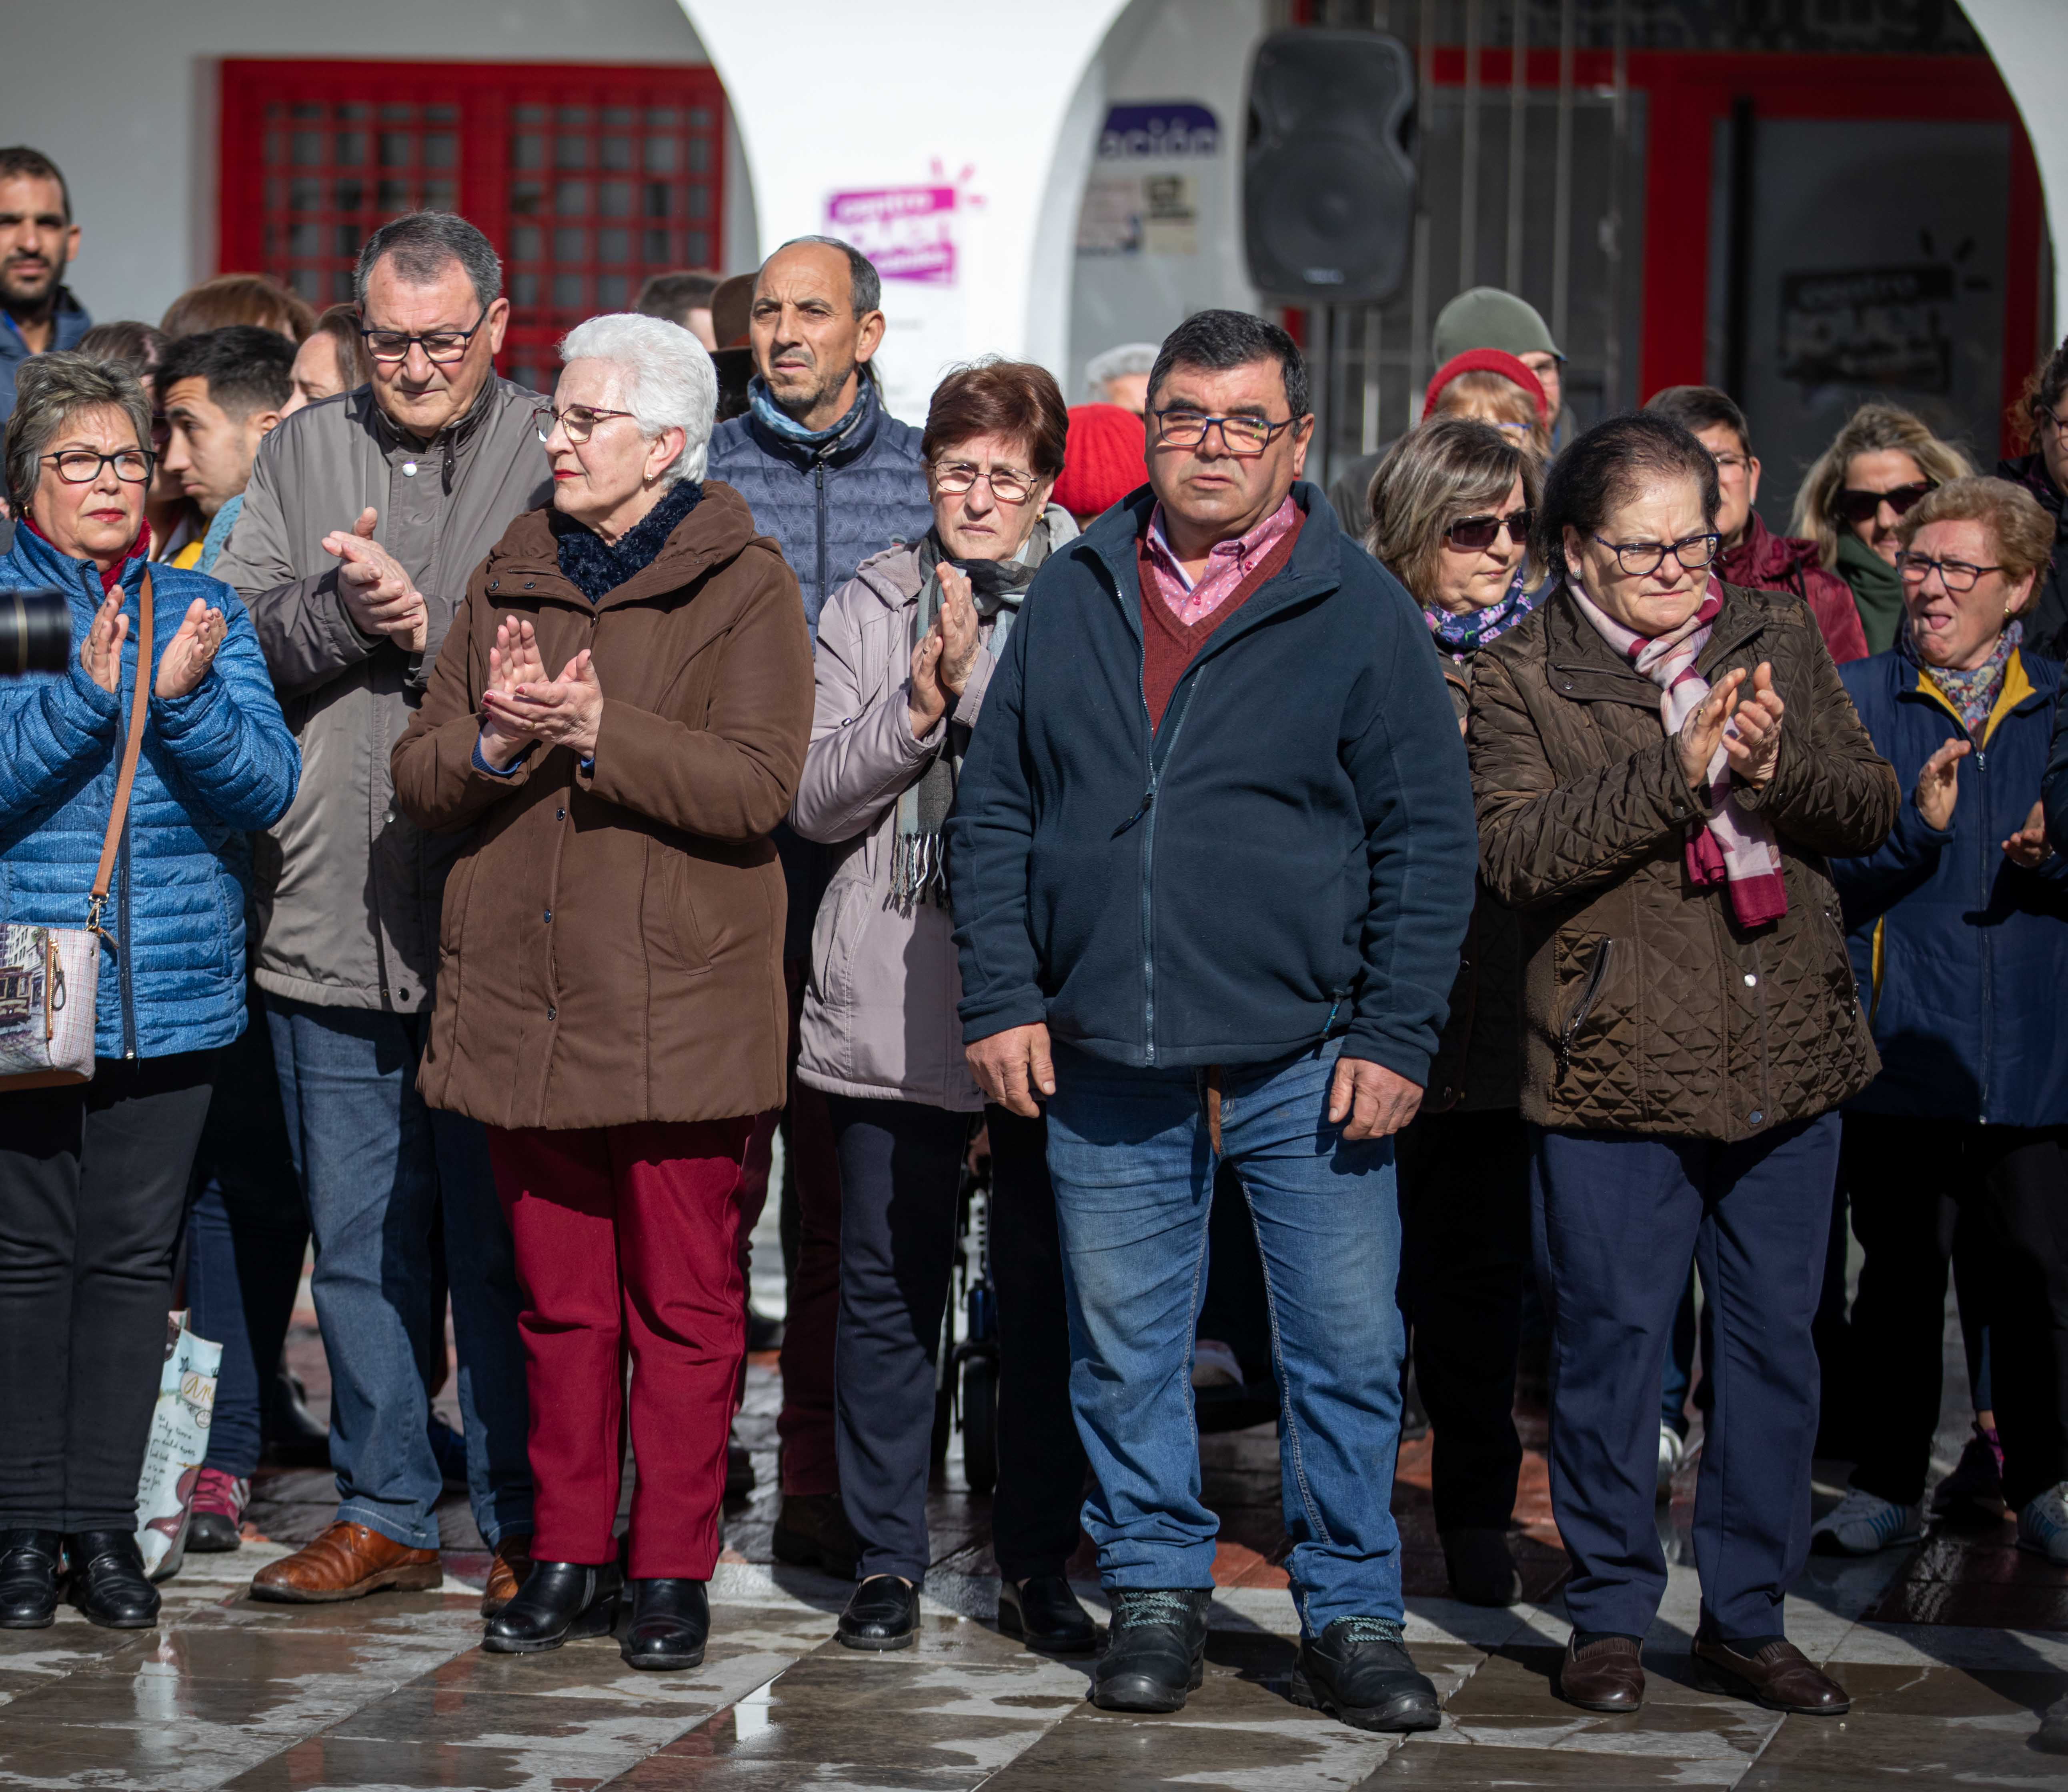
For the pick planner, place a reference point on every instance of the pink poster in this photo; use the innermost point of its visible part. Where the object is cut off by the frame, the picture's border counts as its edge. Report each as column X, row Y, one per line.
column 908, row 232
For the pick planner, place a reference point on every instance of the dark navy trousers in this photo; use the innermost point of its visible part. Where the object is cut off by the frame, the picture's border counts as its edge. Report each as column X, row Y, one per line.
column 1616, row 1220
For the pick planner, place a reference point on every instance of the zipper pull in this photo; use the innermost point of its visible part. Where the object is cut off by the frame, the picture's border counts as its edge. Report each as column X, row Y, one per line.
column 1140, row 809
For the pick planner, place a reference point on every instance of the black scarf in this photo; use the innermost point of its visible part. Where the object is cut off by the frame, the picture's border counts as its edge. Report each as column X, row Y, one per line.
column 598, row 568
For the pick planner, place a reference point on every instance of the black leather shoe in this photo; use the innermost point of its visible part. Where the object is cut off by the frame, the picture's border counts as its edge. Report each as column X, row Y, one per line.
column 1043, row 1613
column 211, row 1533
column 1355, row 1672
column 1155, row 1649
column 559, row 1602
column 29, row 1578
column 883, row 1614
column 1481, row 1566
column 670, row 1624
column 108, row 1583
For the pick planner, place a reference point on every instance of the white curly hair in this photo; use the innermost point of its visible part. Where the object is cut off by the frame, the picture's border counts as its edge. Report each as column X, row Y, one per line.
column 669, row 380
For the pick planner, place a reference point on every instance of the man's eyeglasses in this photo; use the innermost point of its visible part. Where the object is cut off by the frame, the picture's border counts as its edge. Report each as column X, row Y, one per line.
column 81, row 466
column 1245, row 437
column 1641, row 559
column 444, row 346
column 1958, row 576
column 1009, row 485
column 1473, row 535
column 1730, row 463
column 1857, row 505
column 577, row 422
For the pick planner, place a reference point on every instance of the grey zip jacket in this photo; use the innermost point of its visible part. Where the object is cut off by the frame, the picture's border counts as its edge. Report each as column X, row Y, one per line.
column 347, row 887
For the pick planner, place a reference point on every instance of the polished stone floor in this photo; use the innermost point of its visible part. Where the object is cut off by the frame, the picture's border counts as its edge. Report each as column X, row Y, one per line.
column 1954, row 1653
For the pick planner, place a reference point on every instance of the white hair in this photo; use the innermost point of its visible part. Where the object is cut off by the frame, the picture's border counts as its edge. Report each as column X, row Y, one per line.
column 668, row 383
column 1117, row 363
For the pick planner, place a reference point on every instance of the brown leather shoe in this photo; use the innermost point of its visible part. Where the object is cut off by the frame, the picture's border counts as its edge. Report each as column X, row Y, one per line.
column 348, row 1562
column 1604, row 1676
column 1781, row 1677
column 506, row 1573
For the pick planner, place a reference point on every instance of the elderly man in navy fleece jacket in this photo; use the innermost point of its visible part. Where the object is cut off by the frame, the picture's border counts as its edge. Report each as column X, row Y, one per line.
column 1211, row 860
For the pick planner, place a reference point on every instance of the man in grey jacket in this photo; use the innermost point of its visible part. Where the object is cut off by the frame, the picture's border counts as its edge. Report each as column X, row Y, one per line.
column 364, row 516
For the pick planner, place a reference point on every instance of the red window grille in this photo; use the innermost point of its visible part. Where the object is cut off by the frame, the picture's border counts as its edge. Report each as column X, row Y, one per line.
column 586, row 179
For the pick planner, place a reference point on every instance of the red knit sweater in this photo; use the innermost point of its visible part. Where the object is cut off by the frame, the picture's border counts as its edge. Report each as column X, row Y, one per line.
column 1167, row 645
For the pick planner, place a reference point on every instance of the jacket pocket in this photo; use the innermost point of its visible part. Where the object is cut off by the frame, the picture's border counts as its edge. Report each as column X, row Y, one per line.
column 1582, row 971
column 689, row 933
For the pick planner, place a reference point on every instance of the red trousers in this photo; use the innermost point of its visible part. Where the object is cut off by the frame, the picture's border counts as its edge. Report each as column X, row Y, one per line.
column 804, row 1427
column 627, row 1240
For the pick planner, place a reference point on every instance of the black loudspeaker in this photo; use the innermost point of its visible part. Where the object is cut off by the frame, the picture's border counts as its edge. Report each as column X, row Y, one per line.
column 1328, row 196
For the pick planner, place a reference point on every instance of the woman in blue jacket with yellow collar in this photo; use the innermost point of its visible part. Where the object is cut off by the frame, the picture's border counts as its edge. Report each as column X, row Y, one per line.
column 1959, row 930
column 93, row 1174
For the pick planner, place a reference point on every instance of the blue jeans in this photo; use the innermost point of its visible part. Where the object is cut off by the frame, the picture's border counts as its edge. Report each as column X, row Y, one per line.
column 1133, row 1162
column 379, row 1169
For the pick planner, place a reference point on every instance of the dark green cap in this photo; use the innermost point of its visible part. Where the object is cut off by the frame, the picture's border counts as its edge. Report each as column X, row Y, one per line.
column 1486, row 317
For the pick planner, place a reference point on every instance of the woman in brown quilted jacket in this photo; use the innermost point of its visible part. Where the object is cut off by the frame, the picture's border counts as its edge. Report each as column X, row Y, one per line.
column 1662, row 765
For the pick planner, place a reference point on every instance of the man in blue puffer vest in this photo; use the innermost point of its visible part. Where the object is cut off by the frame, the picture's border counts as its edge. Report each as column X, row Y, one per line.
column 834, row 479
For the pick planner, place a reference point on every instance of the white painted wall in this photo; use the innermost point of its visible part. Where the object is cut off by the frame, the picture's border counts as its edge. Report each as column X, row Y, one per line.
column 124, row 98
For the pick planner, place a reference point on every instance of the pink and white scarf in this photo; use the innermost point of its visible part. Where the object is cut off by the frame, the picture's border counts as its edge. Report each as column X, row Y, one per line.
column 1735, row 846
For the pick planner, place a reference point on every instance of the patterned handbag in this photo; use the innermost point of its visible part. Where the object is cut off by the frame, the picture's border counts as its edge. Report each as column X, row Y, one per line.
column 49, row 977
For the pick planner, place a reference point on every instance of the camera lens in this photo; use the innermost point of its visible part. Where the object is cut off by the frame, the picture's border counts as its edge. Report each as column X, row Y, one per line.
column 35, row 633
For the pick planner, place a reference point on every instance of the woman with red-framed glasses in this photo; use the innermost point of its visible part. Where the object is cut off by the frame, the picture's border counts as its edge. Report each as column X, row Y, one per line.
column 1852, row 501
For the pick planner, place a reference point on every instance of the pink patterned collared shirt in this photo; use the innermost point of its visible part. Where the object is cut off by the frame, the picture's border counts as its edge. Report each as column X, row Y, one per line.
column 1226, row 565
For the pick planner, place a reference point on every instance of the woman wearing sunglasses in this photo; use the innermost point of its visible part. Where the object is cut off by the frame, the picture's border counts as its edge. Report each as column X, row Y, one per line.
column 1451, row 506
column 1661, row 764
column 1959, row 930
column 1853, row 500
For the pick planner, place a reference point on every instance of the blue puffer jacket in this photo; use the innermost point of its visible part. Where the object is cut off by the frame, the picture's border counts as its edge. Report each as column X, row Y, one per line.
column 828, row 509
column 216, row 764
column 1961, row 955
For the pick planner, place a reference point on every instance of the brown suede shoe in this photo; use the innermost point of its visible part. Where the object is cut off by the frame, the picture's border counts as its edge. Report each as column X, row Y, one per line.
column 1604, row 1676
column 348, row 1562
column 1781, row 1677
column 506, row 1573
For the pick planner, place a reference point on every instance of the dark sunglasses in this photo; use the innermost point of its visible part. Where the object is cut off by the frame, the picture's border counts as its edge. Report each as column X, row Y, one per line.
column 1474, row 533
column 1856, row 506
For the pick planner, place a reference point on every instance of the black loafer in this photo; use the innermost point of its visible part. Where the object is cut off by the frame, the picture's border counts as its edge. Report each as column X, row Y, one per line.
column 1043, row 1613
column 559, row 1602
column 1355, row 1672
column 1155, row 1650
column 108, row 1583
column 29, row 1577
column 670, row 1624
column 1481, row 1566
column 883, row 1614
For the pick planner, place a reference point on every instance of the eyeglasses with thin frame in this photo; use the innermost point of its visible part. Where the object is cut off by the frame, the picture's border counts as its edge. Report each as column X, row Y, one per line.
column 1958, row 576
column 443, row 346
column 2054, row 421
column 577, row 422
column 1730, row 463
column 81, row 466
column 1009, row 485
column 1857, row 505
column 1475, row 535
column 1245, row 437
column 1641, row 559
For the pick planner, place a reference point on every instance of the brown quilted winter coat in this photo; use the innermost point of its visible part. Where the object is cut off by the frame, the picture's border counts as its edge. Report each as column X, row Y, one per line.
column 1646, row 1007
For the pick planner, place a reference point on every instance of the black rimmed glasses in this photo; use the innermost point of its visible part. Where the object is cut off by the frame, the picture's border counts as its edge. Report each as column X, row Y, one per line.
column 1958, row 576
column 577, row 422
column 1641, row 559
column 443, row 346
column 1475, row 534
column 1857, row 505
column 81, row 466
column 1245, row 437
column 1009, row 485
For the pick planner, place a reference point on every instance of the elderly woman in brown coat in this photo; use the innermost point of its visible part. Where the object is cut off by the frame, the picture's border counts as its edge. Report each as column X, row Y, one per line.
column 1662, row 765
column 610, row 987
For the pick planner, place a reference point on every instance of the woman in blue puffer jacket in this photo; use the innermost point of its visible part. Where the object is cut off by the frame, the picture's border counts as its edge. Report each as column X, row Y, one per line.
column 93, row 1174
column 1958, row 928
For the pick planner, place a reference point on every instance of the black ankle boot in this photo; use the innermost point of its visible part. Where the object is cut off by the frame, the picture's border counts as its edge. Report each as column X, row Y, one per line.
column 1043, row 1613
column 29, row 1578
column 883, row 1613
column 670, row 1624
column 1155, row 1650
column 1356, row 1671
column 558, row 1602
column 108, row 1583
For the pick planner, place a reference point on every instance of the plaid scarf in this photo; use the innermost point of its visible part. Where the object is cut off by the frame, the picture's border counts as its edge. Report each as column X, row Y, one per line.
column 1973, row 694
column 1734, row 846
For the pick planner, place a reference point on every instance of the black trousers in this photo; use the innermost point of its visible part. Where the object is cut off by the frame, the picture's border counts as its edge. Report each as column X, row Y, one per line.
column 1041, row 1457
column 1464, row 1238
column 1915, row 1183
column 93, row 1184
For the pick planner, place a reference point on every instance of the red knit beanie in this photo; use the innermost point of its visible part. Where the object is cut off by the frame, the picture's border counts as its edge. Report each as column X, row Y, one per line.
column 1485, row 360
column 1102, row 459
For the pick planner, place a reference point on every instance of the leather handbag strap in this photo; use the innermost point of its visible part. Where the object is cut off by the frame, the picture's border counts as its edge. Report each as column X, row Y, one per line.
column 132, row 749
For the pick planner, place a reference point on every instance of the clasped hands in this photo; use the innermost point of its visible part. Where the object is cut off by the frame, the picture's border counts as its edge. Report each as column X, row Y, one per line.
column 941, row 662
column 181, row 666
column 521, row 705
column 1752, row 747
column 379, row 596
